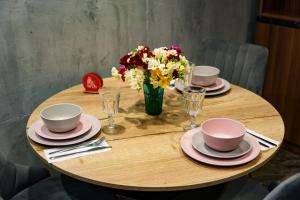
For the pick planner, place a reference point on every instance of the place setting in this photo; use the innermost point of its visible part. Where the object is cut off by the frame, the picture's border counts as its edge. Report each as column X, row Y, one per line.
column 206, row 77
column 219, row 141
column 224, row 142
column 68, row 131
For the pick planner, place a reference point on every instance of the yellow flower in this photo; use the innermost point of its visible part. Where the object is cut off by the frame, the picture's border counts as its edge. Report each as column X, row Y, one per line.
column 156, row 74
column 164, row 82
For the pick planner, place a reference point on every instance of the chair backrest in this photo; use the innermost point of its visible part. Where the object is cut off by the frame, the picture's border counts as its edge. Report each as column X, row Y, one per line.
column 15, row 177
column 288, row 189
column 241, row 64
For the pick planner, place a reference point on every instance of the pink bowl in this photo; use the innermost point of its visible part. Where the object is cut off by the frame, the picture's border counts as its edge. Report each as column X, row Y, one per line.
column 222, row 134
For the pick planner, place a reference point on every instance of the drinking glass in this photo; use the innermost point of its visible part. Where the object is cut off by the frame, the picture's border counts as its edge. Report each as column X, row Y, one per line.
column 193, row 98
column 110, row 105
column 188, row 76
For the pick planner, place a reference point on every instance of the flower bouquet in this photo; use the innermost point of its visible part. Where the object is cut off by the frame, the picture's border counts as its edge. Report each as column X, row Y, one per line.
column 152, row 71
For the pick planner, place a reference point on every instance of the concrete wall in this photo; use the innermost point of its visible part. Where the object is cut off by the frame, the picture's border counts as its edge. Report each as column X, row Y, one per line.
column 47, row 45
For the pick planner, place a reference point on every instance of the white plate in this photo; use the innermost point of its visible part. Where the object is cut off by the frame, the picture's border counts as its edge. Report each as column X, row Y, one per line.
column 96, row 126
column 179, row 86
column 199, row 145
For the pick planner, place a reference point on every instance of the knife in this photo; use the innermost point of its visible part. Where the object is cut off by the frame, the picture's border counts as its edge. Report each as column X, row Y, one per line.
column 88, row 150
column 263, row 144
column 262, row 139
column 82, row 145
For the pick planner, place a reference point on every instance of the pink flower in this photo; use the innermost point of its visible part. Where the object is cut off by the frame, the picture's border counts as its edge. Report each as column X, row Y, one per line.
column 176, row 47
column 122, row 71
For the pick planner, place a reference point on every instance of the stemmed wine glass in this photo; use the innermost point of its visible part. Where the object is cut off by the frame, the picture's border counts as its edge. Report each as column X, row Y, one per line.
column 188, row 76
column 110, row 105
column 193, row 98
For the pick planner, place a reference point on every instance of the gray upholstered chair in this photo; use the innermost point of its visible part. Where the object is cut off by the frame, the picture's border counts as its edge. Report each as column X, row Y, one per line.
column 240, row 64
column 18, row 182
column 246, row 188
column 288, row 189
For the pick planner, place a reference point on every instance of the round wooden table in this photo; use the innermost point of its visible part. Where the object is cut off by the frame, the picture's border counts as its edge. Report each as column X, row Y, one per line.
column 147, row 155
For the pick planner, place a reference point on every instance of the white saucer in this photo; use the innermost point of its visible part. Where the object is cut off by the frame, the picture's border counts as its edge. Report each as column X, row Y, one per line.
column 179, row 85
column 199, row 145
column 96, row 126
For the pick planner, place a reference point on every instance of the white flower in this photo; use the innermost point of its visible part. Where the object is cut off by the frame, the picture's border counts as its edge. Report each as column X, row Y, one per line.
column 140, row 48
column 172, row 52
column 182, row 68
column 183, row 60
column 161, row 66
column 115, row 73
column 160, row 53
column 153, row 64
column 135, row 77
column 173, row 65
column 165, row 71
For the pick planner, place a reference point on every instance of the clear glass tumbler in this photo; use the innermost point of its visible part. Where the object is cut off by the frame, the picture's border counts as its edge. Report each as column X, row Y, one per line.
column 193, row 98
column 110, row 105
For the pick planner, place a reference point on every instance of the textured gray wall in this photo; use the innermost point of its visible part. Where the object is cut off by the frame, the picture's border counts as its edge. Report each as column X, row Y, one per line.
column 47, row 45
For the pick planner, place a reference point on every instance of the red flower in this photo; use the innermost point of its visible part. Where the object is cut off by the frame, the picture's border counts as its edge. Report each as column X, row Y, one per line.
column 170, row 57
column 175, row 74
column 123, row 61
column 122, row 71
column 136, row 60
column 145, row 50
column 176, row 47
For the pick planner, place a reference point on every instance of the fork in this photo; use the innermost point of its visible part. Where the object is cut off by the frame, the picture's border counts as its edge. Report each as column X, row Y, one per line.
column 88, row 150
column 85, row 144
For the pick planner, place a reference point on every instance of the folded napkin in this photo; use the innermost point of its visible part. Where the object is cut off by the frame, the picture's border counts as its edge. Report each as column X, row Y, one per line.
column 260, row 138
column 172, row 85
column 78, row 153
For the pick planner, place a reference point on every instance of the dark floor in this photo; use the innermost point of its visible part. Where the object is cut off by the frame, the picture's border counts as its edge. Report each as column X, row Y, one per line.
column 281, row 166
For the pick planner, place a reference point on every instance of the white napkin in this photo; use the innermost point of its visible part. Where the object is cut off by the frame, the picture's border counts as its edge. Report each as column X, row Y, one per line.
column 172, row 85
column 263, row 148
column 79, row 152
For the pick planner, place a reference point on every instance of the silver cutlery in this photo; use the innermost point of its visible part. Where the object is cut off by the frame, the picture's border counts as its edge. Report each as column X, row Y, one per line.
column 264, row 141
column 263, row 144
column 88, row 150
column 82, row 145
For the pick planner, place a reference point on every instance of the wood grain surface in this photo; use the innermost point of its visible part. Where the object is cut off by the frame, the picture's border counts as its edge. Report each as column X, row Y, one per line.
column 146, row 155
column 278, row 9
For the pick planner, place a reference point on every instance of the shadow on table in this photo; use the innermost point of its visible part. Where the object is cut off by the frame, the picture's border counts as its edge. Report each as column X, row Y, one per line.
column 172, row 113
